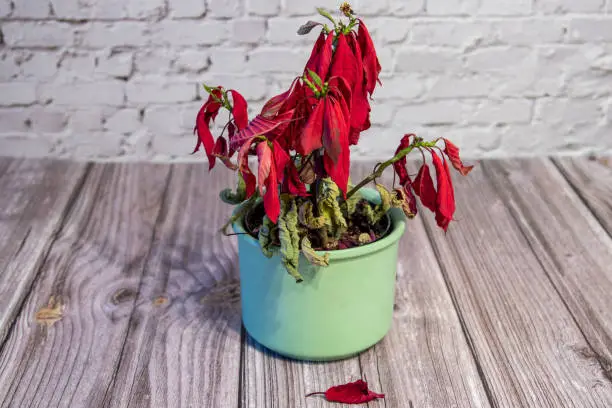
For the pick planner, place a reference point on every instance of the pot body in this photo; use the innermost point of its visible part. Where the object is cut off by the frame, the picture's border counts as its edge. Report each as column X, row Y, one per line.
column 336, row 312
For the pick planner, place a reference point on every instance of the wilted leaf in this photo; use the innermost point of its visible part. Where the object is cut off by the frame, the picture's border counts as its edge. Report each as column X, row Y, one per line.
column 352, row 393
column 312, row 256
column 307, row 27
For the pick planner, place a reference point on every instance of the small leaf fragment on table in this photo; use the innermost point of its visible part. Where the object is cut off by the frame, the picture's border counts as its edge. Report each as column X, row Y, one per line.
column 50, row 314
column 352, row 393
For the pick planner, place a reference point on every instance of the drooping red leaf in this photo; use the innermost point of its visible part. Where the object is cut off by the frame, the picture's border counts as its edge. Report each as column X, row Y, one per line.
column 262, row 126
column 452, row 152
column 335, row 129
column 321, row 55
column 360, row 105
column 281, row 159
column 220, row 152
column 423, row 186
column 400, row 165
column 370, row 59
column 445, row 199
column 243, row 167
column 310, row 138
column 352, row 393
column 231, row 131
column 339, row 169
column 292, row 183
column 281, row 102
column 344, row 62
column 206, row 114
column 239, row 110
column 267, row 177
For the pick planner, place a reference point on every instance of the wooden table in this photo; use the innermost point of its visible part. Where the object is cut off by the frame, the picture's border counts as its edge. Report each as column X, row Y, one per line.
column 116, row 291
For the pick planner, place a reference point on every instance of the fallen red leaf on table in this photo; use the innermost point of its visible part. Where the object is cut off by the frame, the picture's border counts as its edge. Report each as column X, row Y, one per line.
column 352, row 393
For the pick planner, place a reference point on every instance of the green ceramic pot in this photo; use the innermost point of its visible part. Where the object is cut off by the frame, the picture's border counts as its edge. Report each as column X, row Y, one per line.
column 336, row 312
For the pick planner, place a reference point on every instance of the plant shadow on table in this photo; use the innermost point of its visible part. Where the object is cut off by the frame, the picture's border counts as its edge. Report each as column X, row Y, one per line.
column 201, row 281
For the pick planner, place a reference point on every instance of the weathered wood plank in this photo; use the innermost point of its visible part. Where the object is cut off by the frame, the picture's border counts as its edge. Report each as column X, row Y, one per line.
column 526, row 342
column 571, row 245
column 33, row 199
column 94, row 270
column 592, row 180
column 183, row 347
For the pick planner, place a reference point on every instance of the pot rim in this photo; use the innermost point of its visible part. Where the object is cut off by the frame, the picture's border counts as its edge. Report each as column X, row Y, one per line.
column 398, row 226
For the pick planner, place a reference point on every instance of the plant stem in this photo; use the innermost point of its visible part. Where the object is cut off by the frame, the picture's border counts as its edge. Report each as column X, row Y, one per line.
column 382, row 166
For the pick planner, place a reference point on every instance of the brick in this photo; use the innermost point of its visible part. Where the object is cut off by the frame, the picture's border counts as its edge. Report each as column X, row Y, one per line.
column 164, row 120
column 400, row 87
column 97, row 145
column 48, row 120
column 145, row 9
column 248, row 30
column 123, row 121
column 406, row 7
column 586, row 85
column 6, row 9
column 109, row 9
column 430, row 113
column 8, row 66
column 524, row 31
column 25, row 145
column 160, row 92
column 86, row 93
column 386, row 58
column 266, row 59
column 456, row 33
column 381, row 114
column 388, row 30
column 15, row 120
column 127, row 33
column 283, row 30
column 499, row 58
column 569, row 6
column 263, row 7
column 308, row 7
column 591, row 29
column 41, row 65
column 17, row 93
column 173, row 146
column 192, row 60
column 370, row 8
column 188, row 32
column 37, row 34
column 452, row 7
column 228, row 60
column 30, row 9
column 451, row 86
column 556, row 111
column 118, row 65
column 187, row 8
column 251, row 87
column 426, row 60
column 76, row 65
column 225, row 8
column 89, row 118
column 154, row 61
column 505, row 7
column 505, row 111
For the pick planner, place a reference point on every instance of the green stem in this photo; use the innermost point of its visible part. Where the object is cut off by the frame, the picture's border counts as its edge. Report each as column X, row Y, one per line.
column 382, row 166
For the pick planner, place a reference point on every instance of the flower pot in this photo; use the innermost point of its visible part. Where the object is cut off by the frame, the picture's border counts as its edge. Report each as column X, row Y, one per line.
column 336, row 312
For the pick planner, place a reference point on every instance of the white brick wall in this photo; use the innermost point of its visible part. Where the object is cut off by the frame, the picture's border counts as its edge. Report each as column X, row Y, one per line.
column 119, row 79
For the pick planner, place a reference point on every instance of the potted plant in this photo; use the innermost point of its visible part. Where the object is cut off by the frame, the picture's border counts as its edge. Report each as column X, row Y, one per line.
column 317, row 253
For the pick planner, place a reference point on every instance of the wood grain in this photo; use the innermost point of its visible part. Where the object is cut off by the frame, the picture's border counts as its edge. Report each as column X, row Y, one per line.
column 592, row 180
column 527, row 344
column 35, row 197
column 183, row 346
column 571, row 245
column 425, row 359
column 93, row 270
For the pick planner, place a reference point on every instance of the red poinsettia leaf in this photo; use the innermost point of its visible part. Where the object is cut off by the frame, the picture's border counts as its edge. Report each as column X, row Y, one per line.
column 310, row 139
column 281, row 159
column 206, row 114
column 243, row 167
column 239, row 110
column 231, row 130
column 360, row 106
column 370, row 59
column 262, row 126
column 445, row 199
column 220, row 152
column 452, row 152
column 321, row 55
column 344, row 63
column 278, row 104
column 339, row 169
column 335, row 129
column 292, row 183
column 352, row 393
column 264, row 154
column 400, row 165
column 423, row 186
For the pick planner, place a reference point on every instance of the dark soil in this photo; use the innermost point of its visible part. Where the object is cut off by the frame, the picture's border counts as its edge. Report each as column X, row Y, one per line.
column 357, row 225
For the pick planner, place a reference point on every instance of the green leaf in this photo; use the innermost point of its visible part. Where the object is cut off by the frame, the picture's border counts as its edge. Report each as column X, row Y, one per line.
column 241, row 212
column 312, row 256
column 329, row 207
column 316, row 78
column 326, row 14
column 307, row 218
column 229, row 197
column 289, row 236
column 265, row 236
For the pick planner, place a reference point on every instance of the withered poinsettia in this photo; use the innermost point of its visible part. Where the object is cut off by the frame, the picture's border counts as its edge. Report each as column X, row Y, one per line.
column 301, row 138
column 356, row 392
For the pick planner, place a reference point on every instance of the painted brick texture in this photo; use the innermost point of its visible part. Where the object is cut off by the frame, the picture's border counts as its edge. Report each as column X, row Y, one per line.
column 120, row 79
